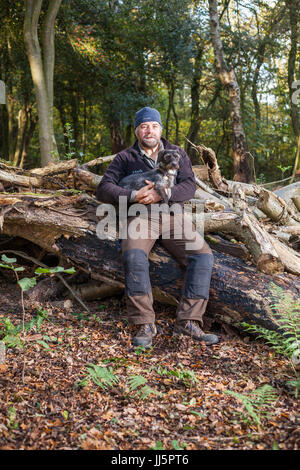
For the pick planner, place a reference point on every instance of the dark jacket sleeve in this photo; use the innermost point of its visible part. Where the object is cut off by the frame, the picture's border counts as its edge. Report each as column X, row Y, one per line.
column 185, row 186
column 108, row 190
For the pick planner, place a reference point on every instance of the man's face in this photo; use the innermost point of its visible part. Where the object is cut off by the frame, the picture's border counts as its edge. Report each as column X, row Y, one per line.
column 149, row 134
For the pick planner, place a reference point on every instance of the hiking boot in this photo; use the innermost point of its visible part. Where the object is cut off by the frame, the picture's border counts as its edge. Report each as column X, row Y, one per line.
column 192, row 329
column 144, row 335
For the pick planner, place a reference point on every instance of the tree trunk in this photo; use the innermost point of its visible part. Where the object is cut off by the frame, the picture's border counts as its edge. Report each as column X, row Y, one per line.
column 41, row 76
column 63, row 120
column 195, row 111
column 294, row 11
column 168, row 118
column 22, row 124
column 10, row 122
column 175, row 114
column 75, row 110
column 66, row 226
column 83, row 138
column 49, row 60
column 27, row 138
column 242, row 167
column 117, row 139
column 128, row 135
column 260, row 61
column 4, row 132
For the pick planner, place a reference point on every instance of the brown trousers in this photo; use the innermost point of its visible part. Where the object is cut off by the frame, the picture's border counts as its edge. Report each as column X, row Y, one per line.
column 187, row 246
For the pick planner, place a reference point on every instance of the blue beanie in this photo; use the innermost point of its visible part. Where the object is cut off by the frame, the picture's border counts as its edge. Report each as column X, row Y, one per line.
column 146, row 115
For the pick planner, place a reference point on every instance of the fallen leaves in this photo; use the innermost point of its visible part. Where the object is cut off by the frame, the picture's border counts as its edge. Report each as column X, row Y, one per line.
column 48, row 410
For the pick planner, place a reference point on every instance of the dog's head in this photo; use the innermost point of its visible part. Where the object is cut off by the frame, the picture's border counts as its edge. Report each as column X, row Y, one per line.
column 168, row 160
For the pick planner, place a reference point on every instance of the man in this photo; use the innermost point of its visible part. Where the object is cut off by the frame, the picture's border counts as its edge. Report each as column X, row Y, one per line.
column 195, row 257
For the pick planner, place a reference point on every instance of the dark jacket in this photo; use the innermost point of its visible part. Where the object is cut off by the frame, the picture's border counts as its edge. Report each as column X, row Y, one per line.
column 131, row 161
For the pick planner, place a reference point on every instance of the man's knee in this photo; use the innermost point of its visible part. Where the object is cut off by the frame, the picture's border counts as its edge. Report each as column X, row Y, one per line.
column 198, row 276
column 137, row 280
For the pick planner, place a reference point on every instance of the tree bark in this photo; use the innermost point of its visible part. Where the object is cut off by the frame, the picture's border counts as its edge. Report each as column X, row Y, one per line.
column 294, row 11
column 10, row 125
column 41, row 76
column 117, row 139
column 22, row 124
column 195, row 111
column 172, row 91
column 242, row 167
column 49, row 60
column 27, row 138
column 32, row 13
column 84, row 128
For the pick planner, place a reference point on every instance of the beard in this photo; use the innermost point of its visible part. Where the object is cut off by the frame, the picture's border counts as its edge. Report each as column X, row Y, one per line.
column 150, row 142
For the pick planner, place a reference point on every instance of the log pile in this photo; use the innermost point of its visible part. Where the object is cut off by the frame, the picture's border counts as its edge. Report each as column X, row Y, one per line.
column 48, row 215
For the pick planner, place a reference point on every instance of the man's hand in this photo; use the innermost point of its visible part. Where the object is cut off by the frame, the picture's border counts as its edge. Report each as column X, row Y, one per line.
column 147, row 195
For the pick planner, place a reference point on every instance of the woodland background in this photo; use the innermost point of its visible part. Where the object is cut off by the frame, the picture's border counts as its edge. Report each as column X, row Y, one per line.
column 113, row 57
column 75, row 74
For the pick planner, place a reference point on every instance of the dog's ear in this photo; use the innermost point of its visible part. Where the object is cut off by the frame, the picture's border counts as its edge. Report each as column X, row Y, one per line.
column 160, row 155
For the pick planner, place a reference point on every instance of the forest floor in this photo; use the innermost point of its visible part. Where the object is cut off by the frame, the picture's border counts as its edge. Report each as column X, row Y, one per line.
column 50, row 401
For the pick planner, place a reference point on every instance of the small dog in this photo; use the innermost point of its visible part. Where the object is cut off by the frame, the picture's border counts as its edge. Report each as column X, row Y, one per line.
column 163, row 175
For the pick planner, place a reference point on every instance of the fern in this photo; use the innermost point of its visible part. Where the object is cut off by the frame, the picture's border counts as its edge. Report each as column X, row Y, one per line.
column 136, row 381
column 295, row 384
column 10, row 334
column 101, row 376
column 257, row 401
column 286, row 340
column 188, row 377
column 287, row 313
column 278, row 342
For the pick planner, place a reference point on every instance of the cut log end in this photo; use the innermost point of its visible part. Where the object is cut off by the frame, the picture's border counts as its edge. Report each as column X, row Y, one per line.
column 268, row 264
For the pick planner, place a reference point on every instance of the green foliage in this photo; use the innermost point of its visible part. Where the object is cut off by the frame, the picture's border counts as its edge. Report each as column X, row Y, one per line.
column 12, row 418
column 138, row 383
column 158, row 446
column 57, row 269
column 102, row 376
column 174, row 443
column 284, row 169
column 287, row 315
column 286, row 340
column 10, row 334
column 27, row 283
column 105, row 378
column 114, row 57
column 296, row 385
column 24, row 283
column 177, row 446
column 257, row 403
column 187, row 377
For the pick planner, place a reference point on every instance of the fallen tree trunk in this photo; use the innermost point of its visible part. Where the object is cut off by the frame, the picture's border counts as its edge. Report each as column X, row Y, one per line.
column 238, row 293
column 66, row 226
